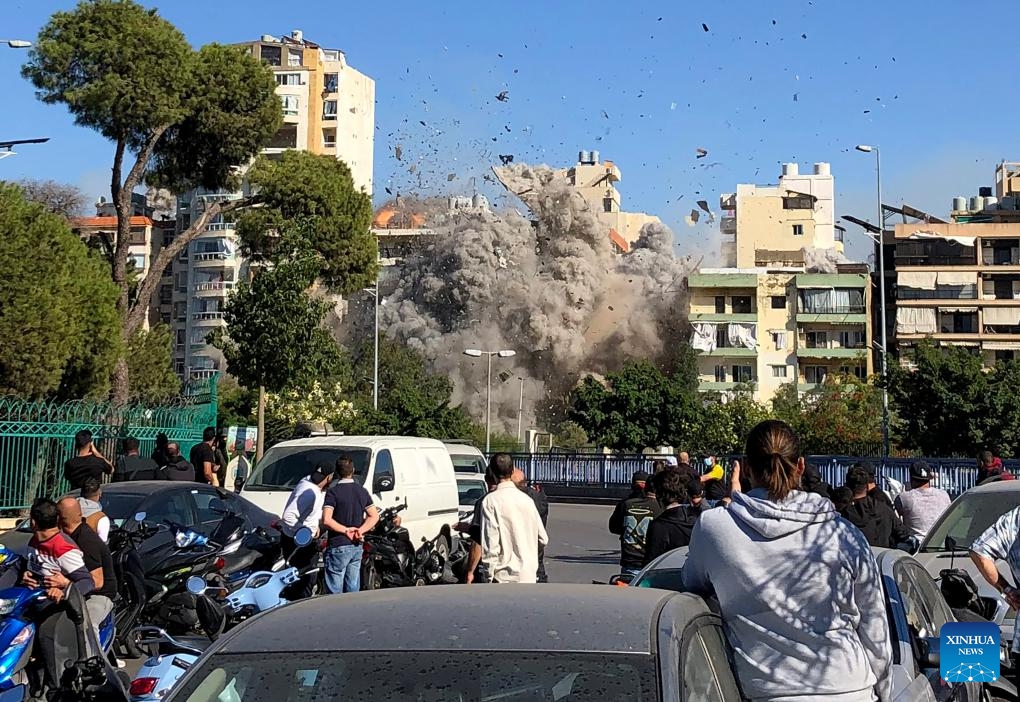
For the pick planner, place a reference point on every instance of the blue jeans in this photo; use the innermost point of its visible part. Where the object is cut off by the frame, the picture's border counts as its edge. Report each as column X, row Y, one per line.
column 343, row 569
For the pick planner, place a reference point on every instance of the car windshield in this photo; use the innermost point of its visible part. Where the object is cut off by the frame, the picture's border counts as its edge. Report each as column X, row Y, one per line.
column 470, row 491
column 667, row 579
column 120, row 506
column 465, row 463
column 284, row 466
column 442, row 676
column 968, row 518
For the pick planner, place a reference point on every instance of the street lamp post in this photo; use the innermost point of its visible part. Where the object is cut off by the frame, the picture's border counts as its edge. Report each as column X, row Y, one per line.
column 478, row 353
column 16, row 43
column 865, row 148
column 375, row 351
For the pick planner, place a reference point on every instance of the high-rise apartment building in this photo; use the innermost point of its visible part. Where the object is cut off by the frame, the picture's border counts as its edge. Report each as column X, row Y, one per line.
column 763, row 320
column 328, row 108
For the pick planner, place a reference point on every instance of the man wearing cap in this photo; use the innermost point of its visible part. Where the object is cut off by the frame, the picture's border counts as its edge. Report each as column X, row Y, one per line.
column 921, row 505
column 304, row 509
column 874, row 491
column 630, row 521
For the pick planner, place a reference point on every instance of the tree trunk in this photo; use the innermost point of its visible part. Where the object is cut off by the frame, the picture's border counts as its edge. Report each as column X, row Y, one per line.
column 260, row 442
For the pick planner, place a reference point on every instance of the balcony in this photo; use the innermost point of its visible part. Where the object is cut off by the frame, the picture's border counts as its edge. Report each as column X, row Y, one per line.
column 859, row 352
column 207, row 316
column 217, row 258
column 218, row 287
column 723, row 317
column 219, row 197
column 731, row 352
column 202, row 373
column 221, row 227
column 728, row 225
column 716, row 386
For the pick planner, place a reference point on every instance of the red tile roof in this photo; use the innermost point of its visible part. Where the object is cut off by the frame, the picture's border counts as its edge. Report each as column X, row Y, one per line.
column 111, row 222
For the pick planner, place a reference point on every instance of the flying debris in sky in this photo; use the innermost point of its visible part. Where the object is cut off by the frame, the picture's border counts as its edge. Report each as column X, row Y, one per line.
column 702, row 153
column 504, row 96
column 398, row 151
column 703, row 204
column 704, row 26
column 692, row 218
column 507, row 159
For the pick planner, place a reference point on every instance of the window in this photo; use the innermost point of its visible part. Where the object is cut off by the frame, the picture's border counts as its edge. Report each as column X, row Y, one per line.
column 329, row 109
column 293, row 57
column 383, row 465
column 921, row 600
column 291, row 105
column 778, row 371
column 330, row 82
column 741, row 304
column 817, row 339
column 798, row 230
column 838, row 235
column 859, row 372
column 330, row 55
column 285, row 138
column 779, row 302
column 1004, row 356
column 329, row 138
column 720, row 374
column 720, row 304
column 779, row 339
column 703, row 662
column 851, row 339
column 180, row 337
column 288, row 79
column 799, row 202
column 179, row 367
column 815, row 375
column 271, row 55
column 743, row 374
column 722, row 339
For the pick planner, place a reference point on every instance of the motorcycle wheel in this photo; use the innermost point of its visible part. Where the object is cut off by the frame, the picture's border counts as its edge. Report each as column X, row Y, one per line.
column 420, row 582
column 443, row 547
column 370, row 578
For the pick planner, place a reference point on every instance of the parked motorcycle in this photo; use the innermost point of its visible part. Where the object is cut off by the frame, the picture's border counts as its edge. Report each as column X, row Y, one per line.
column 391, row 560
column 19, row 609
column 170, row 657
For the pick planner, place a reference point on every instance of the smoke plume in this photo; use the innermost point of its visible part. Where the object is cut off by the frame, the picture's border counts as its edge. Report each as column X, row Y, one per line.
column 548, row 287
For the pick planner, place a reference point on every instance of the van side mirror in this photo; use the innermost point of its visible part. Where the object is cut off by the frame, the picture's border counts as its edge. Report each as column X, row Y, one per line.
column 929, row 652
column 383, row 483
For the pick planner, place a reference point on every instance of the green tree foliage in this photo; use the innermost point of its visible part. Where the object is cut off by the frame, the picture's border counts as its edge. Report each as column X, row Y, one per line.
column 57, row 306
column 274, row 335
column 310, row 207
column 182, row 116
column 949, row 405
column 842, row 416
column 412, row 400
column 150, row 363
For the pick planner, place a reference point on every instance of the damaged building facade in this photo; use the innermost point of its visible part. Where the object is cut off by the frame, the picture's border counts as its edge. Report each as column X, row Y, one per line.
column 785, row 308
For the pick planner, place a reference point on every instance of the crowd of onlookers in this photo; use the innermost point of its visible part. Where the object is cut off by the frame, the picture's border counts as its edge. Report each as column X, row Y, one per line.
column 210, row 461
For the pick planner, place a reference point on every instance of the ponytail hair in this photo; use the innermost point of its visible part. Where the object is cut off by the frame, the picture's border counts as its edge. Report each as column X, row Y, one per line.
column 772, row 453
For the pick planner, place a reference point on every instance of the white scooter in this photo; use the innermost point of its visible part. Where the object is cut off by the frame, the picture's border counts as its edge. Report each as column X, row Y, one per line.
column 169, row 658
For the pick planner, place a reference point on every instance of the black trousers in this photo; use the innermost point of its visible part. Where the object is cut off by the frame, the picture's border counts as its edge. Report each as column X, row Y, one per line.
column 303, row 556
column 57, row 640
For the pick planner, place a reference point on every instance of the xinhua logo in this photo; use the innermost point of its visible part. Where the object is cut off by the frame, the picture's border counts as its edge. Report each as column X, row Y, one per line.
column 969, row 652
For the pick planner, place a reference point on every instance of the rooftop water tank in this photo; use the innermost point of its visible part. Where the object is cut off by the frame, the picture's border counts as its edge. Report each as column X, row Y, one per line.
column 790, row 169
column 976, row 203
column 297, row 35
column 991, row 203
column 959, row 204
column 822, row 169
column 583, row 157
column 595, row 157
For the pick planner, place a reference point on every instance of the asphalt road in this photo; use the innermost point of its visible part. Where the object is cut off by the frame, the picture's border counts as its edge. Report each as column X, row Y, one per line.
column 581, row 549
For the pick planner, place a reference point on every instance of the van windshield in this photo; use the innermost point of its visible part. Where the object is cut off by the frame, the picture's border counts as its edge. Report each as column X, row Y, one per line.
column 465, row 463
column 283, row 466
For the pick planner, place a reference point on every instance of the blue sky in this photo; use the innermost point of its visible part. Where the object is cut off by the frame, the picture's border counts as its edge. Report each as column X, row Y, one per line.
column 925, row 80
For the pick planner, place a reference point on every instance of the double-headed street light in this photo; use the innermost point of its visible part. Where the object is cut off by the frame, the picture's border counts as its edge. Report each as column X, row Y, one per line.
column 478, row 353
column 868, row 149
column 17, row 43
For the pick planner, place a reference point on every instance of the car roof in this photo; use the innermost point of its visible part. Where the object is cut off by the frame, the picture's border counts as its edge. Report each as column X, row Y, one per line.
column 547, row 617
column 996, row 486
column 369, row 442
column 145, row 487
column 670, row 560
column 465, row 449
column 470, row 477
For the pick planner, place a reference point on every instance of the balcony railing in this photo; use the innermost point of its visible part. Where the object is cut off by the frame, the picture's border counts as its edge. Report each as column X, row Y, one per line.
column 214, row 285
column 206, row 316
column 221, row 227
column 957, row 293
column 831, row 309
column 219, row 197
column 212, row 256
column 202, row 373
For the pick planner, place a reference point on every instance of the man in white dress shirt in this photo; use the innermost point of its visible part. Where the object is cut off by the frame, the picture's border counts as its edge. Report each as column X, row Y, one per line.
column 511, row 528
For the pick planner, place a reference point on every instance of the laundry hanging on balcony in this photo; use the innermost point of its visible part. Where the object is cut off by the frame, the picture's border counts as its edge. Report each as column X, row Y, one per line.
column 915, row 320
column 832, row 301
column 742, row 335
column 704, row 338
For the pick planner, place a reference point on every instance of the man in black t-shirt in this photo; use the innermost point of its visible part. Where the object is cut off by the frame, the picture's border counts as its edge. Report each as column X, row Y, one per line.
column 203, row 458
column 631, row 519
column 98, row 561
column 87, row 463
column 347, row 513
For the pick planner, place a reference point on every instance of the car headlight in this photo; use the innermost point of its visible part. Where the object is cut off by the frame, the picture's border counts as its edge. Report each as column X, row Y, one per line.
column 258, row 580
column 7, row 606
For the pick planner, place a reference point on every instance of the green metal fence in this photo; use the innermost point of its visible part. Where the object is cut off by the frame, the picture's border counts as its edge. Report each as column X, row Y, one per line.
column 36, row 438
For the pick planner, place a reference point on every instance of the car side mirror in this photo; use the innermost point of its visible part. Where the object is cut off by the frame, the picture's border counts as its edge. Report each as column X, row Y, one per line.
column 622, row 578
column 140, row 517
column 196, row 585
column 383, row 483
column 950, row 543
column 929, row 652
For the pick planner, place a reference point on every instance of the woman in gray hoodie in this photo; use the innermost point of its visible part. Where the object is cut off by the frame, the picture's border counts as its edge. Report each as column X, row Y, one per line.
column 798, row 587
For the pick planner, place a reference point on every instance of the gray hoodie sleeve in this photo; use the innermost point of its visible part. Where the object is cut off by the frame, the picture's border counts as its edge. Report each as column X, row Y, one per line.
column 695, row 573
column 873, row 629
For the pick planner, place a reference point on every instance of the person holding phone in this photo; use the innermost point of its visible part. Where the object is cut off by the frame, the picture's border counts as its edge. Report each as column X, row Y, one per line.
column 87, row 463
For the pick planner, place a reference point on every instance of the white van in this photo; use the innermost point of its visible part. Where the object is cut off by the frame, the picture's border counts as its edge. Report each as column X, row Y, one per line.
column 420, row 469
column 466, row 458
